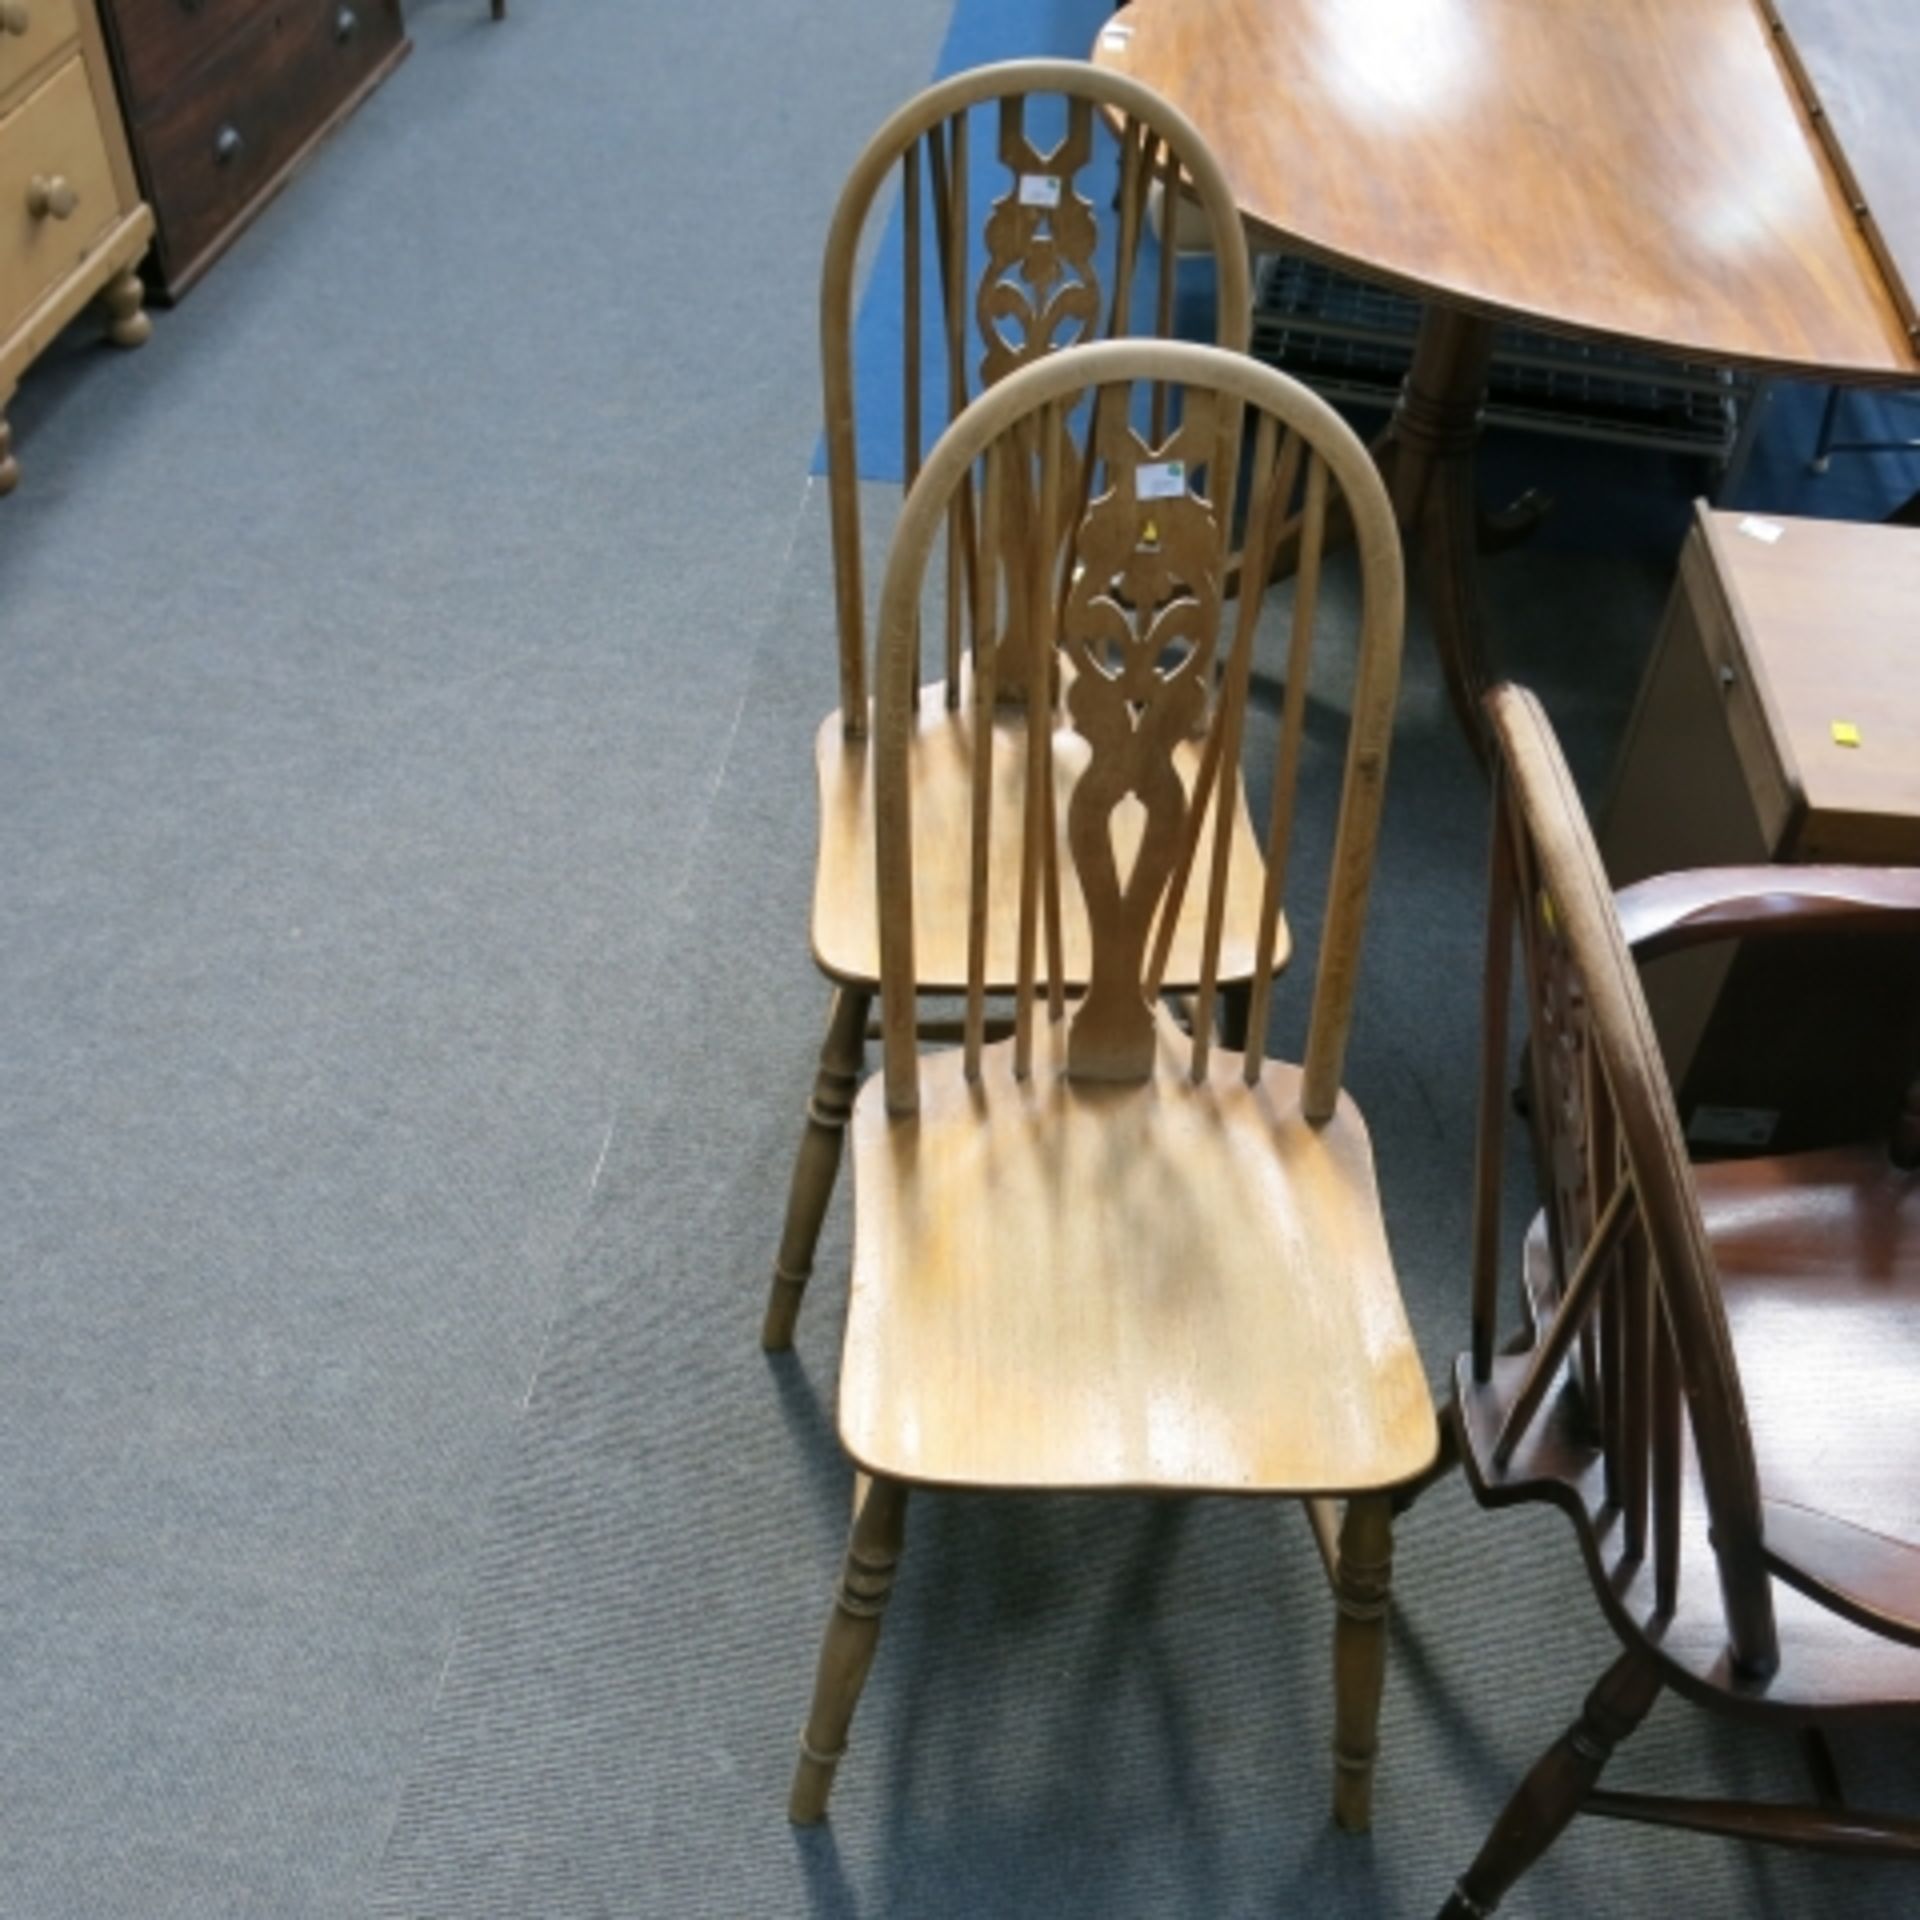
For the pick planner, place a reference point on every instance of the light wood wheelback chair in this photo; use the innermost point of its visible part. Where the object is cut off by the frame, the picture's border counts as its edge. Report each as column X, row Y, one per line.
column 1715, row 1376
column 1104, row 1253
column 1037, row 289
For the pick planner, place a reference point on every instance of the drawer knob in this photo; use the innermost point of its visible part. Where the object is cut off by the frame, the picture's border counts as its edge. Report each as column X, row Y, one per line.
column 51, row 197
column 14, row 17
column 345, row 22
column 228, row 146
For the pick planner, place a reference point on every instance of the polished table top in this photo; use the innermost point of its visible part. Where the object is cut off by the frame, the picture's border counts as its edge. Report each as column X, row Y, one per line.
column 1641, row 170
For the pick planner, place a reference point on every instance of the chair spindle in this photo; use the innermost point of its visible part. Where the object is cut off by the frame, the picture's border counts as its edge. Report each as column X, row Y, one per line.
column 1043, row 702
column 1293, row 726
column 985, row 611
column 950, row 234
column 1668, row 1463
column 1163, row 303
column 1602, row 1160
column 1126, row 253
column 1489, row 1167
column 1035, row 439
column 910, row 288
column 1636, row 1391
column 1230, row 719
column 1576, row 1303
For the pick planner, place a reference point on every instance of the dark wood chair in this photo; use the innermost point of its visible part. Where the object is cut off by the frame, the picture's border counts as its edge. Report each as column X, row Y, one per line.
column 1106, row 1255
column 1719, row 1366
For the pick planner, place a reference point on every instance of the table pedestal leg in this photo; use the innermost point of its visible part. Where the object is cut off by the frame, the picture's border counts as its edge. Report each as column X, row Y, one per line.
column 1431, row 479
column 1426, row 457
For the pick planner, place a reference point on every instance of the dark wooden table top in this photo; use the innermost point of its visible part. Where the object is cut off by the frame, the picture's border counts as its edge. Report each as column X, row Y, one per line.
column 1639, row 170
column 1858, row 66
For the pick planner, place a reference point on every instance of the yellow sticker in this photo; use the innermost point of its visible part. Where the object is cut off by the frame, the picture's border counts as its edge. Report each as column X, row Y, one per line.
column 1845, row 734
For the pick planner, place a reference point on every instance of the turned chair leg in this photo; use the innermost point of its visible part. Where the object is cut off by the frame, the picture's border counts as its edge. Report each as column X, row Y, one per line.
column 1362, row 1583
column 1550, row 1795
column 853, row 1631
column 123, row 301
column 818, row 1164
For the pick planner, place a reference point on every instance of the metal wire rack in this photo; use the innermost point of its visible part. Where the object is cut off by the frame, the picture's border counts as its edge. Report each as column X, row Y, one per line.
column 1354, row 342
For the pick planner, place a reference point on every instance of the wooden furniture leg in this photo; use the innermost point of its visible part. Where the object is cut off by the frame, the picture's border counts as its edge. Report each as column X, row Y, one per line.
column 818, row 1164
column 123, row 301
column 1362, row 1581
column 1431, row 479
column 1426, row 457
column 1550, row 1795
column 853, row 1631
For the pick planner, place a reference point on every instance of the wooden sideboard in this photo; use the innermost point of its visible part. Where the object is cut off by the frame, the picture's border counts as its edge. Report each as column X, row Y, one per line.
column 226, row 98
column 1779, row 720
column 72, row 226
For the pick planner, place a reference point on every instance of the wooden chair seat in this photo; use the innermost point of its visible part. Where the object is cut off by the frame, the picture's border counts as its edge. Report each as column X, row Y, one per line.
column 1160, row 1286
column 1819, row 1263
column 846, row 928
column 1829, row 1666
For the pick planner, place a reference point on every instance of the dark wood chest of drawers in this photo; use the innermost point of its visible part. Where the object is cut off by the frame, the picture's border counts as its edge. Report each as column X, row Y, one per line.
column 1780, row 721
column 225, row 98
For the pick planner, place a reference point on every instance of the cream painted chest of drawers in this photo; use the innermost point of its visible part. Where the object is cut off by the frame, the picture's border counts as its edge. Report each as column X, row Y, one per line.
column 72, row 226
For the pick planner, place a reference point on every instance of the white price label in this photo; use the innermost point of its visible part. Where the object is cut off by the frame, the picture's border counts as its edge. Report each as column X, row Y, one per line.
column 1160, row 480
column 1765, row 531
column 1039, row 189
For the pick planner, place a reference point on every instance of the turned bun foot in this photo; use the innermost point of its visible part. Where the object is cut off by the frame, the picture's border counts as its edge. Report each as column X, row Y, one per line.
column 124, row 301
column 9, row 466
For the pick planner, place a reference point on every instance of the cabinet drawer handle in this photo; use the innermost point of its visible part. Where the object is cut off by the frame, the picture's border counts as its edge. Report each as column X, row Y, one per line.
column 51, row 197
column 14, row 17
column 344, row 24
column 228, row 146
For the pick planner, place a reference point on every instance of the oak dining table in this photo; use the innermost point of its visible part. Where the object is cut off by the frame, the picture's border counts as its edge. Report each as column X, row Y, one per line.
column 1643, row 173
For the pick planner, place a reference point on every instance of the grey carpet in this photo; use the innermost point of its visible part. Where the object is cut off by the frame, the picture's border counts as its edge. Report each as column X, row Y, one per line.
column 368, row 644
column 1090, row 1708
column 405, row 697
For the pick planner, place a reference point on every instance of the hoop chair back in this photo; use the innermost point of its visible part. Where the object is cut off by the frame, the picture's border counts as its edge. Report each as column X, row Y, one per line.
column 1038, row 286
column 1127, row 584
column 1632, row 1309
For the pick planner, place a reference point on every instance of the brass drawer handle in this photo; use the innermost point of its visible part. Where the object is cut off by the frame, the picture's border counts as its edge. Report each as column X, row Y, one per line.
column 51, row 197
column 344, row 24
column 14, row 17
column 227, row 146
